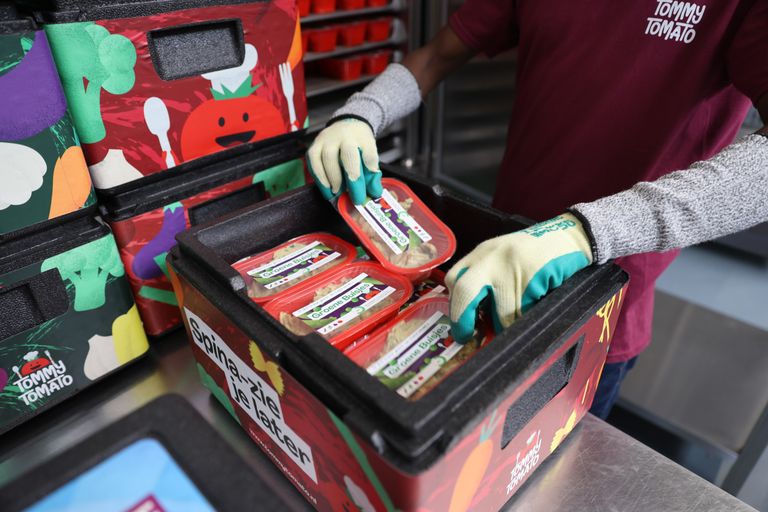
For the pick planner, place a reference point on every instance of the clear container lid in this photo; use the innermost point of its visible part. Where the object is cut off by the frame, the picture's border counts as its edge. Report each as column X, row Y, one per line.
column 400, row 231
column 415, row 351
column 432, row 286
column 270, row 274
column 343, row 305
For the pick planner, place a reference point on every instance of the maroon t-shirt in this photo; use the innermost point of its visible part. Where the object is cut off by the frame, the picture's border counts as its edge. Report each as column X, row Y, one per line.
column 612, row 93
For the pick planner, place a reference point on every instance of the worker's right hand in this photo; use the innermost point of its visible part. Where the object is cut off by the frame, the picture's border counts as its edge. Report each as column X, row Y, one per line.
column 344, row 157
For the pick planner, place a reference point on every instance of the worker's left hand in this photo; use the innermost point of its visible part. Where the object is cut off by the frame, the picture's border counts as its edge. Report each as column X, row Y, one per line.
column 515, row 271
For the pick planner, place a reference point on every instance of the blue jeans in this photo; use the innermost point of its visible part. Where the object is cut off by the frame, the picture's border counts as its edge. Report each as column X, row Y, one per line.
column 608, row 387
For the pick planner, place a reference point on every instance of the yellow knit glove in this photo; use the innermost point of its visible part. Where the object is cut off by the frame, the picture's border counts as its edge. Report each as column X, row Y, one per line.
column 344, row 156
column 515, row 271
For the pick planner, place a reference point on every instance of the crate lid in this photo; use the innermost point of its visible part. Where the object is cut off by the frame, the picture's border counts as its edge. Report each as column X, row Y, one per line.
column 66, row 11
column 196, row 176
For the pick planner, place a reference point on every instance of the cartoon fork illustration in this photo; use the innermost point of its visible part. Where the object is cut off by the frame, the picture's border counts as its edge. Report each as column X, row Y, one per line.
column 286, row 78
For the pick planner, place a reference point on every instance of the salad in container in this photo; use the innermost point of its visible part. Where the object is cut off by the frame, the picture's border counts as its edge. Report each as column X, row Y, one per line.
column 273, row 273
column 343, row 305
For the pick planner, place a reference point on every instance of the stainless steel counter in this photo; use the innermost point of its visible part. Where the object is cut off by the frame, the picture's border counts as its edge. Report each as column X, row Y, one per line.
column 597, row 468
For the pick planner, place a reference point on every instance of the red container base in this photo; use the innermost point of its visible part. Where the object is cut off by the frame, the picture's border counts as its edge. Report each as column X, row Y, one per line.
column 352, row 34
column 375, row 63
column 346, row 69
column 379, row 30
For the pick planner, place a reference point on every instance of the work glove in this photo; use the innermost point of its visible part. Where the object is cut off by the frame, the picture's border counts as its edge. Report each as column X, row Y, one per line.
column 514, row 271
column 344, row 157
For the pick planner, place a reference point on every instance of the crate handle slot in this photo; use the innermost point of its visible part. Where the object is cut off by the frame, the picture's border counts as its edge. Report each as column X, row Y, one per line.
column 31, row 302
column 546, row 387
column 197, row 48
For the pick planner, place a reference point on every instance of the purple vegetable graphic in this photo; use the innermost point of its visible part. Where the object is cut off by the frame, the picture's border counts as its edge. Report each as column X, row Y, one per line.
column 3, row 379
column 174, row 222
column 32, row 96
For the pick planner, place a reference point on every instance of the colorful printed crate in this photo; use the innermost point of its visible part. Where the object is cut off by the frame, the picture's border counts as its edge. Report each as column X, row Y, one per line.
column 153, row 85
column 43, row 172
column 67, row 317
column 147, row 219
column 341, row 437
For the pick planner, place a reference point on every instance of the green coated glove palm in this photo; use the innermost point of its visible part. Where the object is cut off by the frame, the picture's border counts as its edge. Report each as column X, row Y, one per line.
column 344, row 157
column 514, row 271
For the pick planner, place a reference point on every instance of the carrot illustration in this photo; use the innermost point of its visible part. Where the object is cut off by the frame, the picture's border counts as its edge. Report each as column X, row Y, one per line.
column 474, row 468
column 71, row 182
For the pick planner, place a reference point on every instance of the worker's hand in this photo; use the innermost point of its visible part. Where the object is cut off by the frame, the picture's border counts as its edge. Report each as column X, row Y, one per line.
column 515, row 270
column 344, row 156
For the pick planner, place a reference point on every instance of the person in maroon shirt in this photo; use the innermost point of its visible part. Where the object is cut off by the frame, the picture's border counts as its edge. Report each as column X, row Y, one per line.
column 609, row 96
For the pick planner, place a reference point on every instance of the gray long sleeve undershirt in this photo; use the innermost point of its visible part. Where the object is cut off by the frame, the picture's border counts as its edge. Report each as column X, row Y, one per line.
column 393, row 95
column 712, row 198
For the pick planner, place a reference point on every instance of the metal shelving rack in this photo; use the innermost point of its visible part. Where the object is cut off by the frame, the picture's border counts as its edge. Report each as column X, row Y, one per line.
column 399, row 144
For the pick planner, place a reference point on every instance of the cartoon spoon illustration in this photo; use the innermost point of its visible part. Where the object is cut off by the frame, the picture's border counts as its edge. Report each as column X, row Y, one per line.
column 158, row 122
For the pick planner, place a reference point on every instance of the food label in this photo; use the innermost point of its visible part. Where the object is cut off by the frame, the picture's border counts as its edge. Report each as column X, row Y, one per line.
column 416, row 359
column 344, row 304
column 293, row 265
column 392, row 223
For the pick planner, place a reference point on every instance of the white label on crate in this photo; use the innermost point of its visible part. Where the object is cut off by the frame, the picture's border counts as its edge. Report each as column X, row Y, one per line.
column 252, row 394
column 525, row 461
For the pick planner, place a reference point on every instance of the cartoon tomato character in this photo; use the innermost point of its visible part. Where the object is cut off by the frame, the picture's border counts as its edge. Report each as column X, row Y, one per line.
column 233, row 116
column 219, row 124
column 34, row 363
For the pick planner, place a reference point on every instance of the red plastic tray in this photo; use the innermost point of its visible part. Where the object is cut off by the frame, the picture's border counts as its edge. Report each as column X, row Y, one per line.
column 335, row 313
column 321, row 253
column 352, row 34
column 322, row 39
column 345, row 69
column 418, row 334
column 348, row 5
column 379, row 29
column 388, row 232
column 323, row 6
column 375, row 63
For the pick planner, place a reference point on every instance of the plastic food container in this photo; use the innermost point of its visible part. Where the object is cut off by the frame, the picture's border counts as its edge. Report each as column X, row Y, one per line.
column 348, row 5
column 375, row 63
column 304, row 8
column 344, row 304
column 274, row 273
column 323, row 6
column 400, row 231
column 415, row 351
column 432, row 286
column 352, row 34
column 322, row 39
column 344, row 69
column 379, row 29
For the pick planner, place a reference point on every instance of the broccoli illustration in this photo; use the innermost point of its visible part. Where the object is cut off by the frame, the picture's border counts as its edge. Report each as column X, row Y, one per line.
column 89, row 59
column 87, row 267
